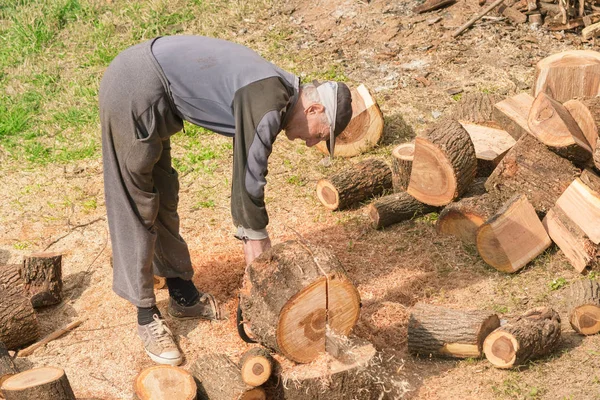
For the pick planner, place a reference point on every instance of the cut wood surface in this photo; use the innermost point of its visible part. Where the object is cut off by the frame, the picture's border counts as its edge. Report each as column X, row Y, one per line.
column 582, row 253
column 583, row 303
column 512, row 113
column 313, row 295
column 513, row 236
column 18, row 322
column 490, row 144
column 357, row 182
column 591, row 31
column 7, row 367
column 552, row 124
column 44, row 383
column 534, row 334
column 530, row 168
column 586, row 111
column 256, row 366
column 476, row 108
column 397, row 207
column 165, row 382
column 364, row 130
column 402, row 157
column 569, row 74
column 444, row 164
column 444, row 332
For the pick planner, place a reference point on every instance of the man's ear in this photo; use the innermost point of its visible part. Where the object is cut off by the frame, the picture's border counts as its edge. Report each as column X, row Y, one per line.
column 314, row 108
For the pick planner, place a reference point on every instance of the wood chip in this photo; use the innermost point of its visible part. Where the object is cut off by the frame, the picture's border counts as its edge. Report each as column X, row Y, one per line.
column 424, row 81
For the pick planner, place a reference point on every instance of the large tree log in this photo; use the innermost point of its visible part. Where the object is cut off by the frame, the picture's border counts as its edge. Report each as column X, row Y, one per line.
column 256, row 366
column 444, row 164
column 586, row 111
column 511, row 114
column 552, row 124
column 513, row 236
column 476, row 108
column 364, row 130
column 358, row 182
column 530, row 168
column 313, row 295
column 569, row 74
column 165, row 382
column 397, row 207
column 534, row 334
column 491, row 145
column 583, row 303
column 402, row 158
column 443, row 332
column 45, row 383
column 7, row 367
column 18, row 322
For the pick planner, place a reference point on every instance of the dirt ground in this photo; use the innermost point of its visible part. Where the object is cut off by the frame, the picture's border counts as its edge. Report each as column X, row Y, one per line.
column 383, row 45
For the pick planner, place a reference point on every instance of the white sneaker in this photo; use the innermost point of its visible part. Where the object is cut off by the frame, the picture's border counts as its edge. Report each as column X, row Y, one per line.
column 159, row 342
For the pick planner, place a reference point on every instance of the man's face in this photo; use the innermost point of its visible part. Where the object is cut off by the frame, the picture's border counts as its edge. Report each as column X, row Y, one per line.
column 317, row 127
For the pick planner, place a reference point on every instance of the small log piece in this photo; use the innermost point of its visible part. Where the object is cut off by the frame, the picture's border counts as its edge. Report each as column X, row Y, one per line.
column 530, row 168
column 584, row 306
column 45, row 383
column 586, row 111
column 397, row 207
column 491, row 145
column 443, row 332
column 534, row 334
column 402, row 157
column 358, row 182
column 256, row 366
column 42, row 278
column 18, row 322
column 165, row 382
column 513, row 236
column 7, row 367
column 590, row 32
column 444, row 164
column 511, row 114
column 513, row 14
column 476, row 108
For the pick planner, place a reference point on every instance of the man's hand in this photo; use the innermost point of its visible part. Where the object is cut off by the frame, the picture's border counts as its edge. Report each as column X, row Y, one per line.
column 254, row 248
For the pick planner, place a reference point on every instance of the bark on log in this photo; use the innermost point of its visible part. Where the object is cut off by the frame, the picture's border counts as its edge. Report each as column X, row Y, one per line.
column 364, row 130
column 7, row 367
column 402, row 158
column 513, row 236
column 443, row 332
column 256, row 366
column 444, row 164
column 18, row 322
column 530, row 168
column 45, row 383
column 583, row 303
column 491, row 145
column 314, row 295
column 358, row 182
column 397, row 207
column 476, row 108
column 569, row 74
column 511, row 114
column 586, row 111
column 165, row 382
column 534, row 334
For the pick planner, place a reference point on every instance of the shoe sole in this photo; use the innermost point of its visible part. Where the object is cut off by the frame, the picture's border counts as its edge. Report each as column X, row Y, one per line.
column 165, row 361
column 218, row 314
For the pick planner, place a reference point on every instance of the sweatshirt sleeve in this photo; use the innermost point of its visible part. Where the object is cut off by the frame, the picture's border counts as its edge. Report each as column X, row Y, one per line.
column 259, row 109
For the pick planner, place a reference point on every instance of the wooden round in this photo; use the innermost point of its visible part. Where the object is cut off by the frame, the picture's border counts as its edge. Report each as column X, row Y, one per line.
column 586, row 319
column 500, row 349
column 164, row 382
column 405, row 151
column 344, row 305
column 253, row 394
column 432, row 179
column 463, row 225
column 328, row 194
column 45, row 383
column 256, row 370
column 33, row 377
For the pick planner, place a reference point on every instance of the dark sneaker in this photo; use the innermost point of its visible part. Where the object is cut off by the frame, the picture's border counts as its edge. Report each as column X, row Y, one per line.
column 206, row 308
column 159, row 343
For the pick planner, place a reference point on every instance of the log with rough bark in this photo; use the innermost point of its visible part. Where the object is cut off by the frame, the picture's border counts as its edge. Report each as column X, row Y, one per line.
column 45, row 383
column 165, row 382
column 356, row 183
column 256, row 366
column 534, row 334
column 463, row 218
column 491, row 145
column 7, row 367
column 552, row 124
column 444, row 164
column 569, row 74
column 397, row 207
column 313, row 295
column 530, row 168
column 444, row 332
column 402, row 157
column 583, row 303
column 511, row 114
column 364, row 129
column 476, row 108
column 582, row 253
column 18, row 322
column 586, row 111
column 513, row 236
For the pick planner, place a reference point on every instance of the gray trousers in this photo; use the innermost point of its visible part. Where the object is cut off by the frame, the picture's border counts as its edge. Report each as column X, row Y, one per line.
column 141, row 187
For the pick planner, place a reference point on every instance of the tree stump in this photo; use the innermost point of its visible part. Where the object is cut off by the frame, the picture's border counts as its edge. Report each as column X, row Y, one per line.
column 444, row 164
column 512, row 113
column 397, row 207
column 18, row 322
column 165, row 382
column 256, row 366
column 491, row 145
column 42, row 279
column 586, row 111
column 7, row 367
column 45, row 383
column 444, row 332
column 530, row 168
column 358, row 182
column 476, row 108
column 584, row 306
column 569, row 74
column 364, row 129
column 534, row 334
column 402, row 157
column 313, row 296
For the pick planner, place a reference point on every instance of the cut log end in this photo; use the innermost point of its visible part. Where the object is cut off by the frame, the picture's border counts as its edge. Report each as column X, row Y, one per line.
column 328, row 194
column 164, row 382
column 256, row 366
column 586, row 319
column 37, row 383
column 254, row 394
column 501, row 348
